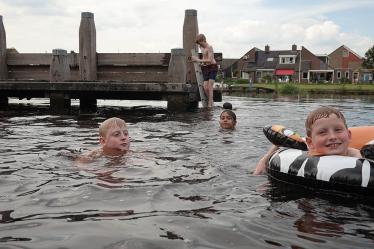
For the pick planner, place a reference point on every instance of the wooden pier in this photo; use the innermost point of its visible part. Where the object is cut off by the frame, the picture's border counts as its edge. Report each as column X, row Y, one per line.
column 88, row 75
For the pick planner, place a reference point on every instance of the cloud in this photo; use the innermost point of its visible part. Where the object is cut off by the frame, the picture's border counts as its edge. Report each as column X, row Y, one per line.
column 232, row 27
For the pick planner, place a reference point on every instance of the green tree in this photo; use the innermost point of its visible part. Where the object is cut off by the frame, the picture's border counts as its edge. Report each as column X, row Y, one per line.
column 369, row 58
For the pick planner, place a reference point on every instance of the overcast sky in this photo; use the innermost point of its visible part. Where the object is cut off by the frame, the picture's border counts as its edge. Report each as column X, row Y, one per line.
column 232, row 26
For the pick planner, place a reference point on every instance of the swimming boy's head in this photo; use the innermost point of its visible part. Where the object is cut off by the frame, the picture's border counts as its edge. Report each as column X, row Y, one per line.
column 327, row 132
column 227, row 120
column 114, row 136
column 322, row 112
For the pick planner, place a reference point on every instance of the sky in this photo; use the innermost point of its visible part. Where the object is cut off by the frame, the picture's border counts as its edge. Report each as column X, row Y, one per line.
column 152, row 26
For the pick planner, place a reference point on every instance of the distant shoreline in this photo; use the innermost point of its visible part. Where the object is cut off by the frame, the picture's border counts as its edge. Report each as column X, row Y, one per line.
column 292, row 88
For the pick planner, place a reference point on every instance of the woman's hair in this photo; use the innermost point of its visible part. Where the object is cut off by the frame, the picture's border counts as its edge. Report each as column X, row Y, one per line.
column 200, row 38
column 321, row 112
column 230, row 113
column 110, row 123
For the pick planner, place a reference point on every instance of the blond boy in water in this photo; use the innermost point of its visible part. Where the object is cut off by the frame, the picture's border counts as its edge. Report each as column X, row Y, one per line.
column 113, row 138
column 327, row 134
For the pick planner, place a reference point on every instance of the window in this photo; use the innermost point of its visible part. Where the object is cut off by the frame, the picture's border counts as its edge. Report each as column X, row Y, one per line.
column 258, row 75
column 338, row 74
column 270, row 59
column 347, row 75
column 305, row 75
column 287, row 59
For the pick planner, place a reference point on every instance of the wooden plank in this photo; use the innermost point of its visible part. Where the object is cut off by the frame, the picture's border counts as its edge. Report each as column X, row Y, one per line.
column 14, row 59
column 133, row 76
column 200, row 80
column 133, row 59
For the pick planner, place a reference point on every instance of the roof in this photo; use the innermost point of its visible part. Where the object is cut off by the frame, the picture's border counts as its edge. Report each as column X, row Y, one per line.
column 263, row 63
column 347, row 48
column 227, row 63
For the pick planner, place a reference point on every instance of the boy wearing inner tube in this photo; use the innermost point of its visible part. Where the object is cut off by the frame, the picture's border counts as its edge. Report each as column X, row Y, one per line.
column 327, row 134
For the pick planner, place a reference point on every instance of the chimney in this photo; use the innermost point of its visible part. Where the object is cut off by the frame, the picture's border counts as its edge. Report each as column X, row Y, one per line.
column 294, row 47
column 267, row 49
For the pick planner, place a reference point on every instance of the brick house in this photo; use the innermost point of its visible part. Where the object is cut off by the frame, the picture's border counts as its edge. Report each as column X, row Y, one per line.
column 283, row 66
column 347, row 65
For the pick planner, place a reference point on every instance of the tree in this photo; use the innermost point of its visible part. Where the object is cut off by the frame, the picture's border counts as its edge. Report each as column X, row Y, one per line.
column 369, row 58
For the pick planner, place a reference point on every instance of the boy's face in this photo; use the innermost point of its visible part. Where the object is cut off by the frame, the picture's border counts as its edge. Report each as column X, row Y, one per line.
column 329, row 136
column 117, row 140
column 226, row 121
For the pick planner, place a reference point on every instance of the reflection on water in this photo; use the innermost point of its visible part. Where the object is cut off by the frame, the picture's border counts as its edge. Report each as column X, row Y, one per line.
column 186, row 184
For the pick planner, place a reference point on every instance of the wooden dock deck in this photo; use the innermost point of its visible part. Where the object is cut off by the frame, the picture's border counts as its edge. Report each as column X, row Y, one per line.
column 88, row 75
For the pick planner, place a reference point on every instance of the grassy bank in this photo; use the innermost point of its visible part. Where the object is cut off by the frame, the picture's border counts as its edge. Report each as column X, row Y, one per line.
column 295, row 88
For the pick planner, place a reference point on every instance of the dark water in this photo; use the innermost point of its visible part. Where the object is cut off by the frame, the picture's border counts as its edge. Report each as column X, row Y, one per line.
column 186, row 184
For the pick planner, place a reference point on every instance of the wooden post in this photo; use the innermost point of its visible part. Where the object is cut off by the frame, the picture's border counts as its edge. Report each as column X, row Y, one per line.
column 87, row 48
column 177, row 74
column 87, row 58
column 3, row 62
column 190, row 31
column 59, row 103
column 59, row 69
column 177, row 66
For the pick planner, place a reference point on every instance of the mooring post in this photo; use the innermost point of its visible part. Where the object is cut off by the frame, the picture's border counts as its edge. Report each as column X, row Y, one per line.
column 59, row 69
column 190, row 31
column 177, row 74
column 177, row 66
column 87, row 57
column 3, row 62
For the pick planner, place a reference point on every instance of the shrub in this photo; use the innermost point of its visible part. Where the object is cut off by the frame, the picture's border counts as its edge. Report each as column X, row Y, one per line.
column 289, row 88
column 266, row 78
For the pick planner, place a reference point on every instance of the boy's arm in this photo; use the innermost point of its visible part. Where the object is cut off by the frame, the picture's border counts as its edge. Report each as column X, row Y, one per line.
column 261, row 165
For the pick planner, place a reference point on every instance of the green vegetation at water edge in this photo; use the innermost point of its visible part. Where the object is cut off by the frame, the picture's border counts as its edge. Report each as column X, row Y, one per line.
column 296, row 88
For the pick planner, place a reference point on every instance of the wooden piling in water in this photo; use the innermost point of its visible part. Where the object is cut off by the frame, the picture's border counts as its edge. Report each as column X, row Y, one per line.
column 190, row 31
column 3, row 62
column 177, row 73
column 177, row 66
column 59, row 69
column 87, row 58
column 87, row 48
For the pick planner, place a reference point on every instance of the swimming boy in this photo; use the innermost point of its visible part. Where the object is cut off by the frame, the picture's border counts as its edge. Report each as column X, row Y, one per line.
column 227, row 120
column 327, row 134
column 113, row 138
column 209, row 66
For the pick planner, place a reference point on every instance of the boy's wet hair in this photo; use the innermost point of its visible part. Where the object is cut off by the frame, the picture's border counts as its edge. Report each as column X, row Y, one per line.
column 227, row 106
column 231, row 114
column 321, row 112
column 109, row 123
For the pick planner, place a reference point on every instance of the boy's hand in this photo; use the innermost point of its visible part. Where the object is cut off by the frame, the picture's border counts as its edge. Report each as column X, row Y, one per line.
column 194, row 59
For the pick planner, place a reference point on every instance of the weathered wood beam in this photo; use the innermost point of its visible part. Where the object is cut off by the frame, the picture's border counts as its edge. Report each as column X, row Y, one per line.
column 3, row 60
column 190, row 30
column 59, row 69
column 87, row 47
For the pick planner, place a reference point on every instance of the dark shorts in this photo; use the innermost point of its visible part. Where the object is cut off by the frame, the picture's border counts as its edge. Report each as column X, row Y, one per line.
column 209, row 72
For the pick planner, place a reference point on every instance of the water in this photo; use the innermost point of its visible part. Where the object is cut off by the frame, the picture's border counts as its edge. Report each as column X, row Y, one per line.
column 185, row 185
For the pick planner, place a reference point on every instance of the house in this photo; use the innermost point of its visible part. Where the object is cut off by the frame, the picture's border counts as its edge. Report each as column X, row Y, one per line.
column 347, row 65
column 283, row 66
column 229, row 68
